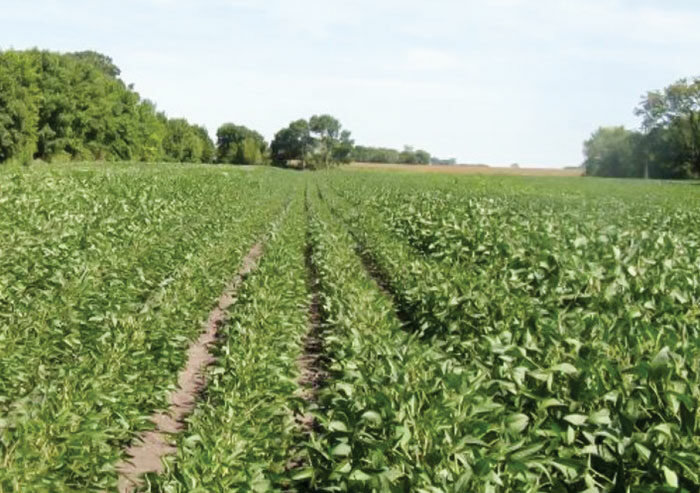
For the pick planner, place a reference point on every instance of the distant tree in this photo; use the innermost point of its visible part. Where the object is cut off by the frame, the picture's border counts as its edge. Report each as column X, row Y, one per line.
column 318, row 143
column 342, row 149
column 152, row 130
column 182, row 142
column 326, row 132
column 237, row 144
column 422, row 157
column 19, row 103
column 407, row 156
column 208, row 147
column 411, row 156
column 675, row 113
column 292, row 143
column 612, row 151
column 366, row 154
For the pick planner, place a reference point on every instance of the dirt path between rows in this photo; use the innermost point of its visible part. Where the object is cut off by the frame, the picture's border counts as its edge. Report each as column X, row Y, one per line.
column 312, row 361
column 147, row 450
column 375, row 272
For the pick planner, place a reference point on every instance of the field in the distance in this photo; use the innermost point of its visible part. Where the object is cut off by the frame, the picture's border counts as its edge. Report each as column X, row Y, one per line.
column 383, row 331
column 467, row 169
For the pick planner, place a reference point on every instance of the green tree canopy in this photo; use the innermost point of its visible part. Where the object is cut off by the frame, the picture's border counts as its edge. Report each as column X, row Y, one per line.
column 74, row 106
column 668, row 145
column 611, row 151
column 676, row 110
column 319, row 142
column 385, row 155
column 292, row 143
column 237, row 144
column 19, row 103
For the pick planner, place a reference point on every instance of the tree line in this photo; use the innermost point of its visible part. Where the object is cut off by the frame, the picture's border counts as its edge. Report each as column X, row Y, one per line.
column 385, row 155
column 666, row 146
column 74, row 106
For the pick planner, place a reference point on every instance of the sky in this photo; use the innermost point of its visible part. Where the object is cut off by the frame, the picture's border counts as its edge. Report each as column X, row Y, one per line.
column 496, row 82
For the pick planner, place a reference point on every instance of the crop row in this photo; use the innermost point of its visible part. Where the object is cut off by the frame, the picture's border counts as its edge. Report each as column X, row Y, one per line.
column 105, row 277
column 590, row 390
column 395, row 413
column 242, row 431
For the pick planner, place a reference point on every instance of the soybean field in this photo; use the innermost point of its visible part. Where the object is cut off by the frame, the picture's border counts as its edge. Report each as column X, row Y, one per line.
column 196, row 328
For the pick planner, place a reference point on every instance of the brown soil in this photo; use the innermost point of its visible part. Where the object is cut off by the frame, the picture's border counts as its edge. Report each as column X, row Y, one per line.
column 146, row 452
column 311, row 362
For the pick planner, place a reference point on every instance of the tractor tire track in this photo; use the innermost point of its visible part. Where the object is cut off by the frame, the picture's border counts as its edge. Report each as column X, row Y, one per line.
column 146, row 452
column 312, row 362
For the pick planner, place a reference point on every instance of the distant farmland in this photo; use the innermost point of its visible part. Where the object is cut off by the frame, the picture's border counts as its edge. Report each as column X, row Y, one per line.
column 470, row 169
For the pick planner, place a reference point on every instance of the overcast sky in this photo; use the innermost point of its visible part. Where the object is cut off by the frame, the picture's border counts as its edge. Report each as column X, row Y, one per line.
column 495, row 82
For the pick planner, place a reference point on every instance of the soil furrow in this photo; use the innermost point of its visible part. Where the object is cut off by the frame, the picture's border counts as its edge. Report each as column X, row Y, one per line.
column 146, row 452
column 311, row 362
column 375, row 272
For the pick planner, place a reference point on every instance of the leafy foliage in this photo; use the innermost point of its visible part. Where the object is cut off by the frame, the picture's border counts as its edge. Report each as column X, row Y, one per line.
column 319, row 143
column 385, row 155
column 105, row 275
column 240, row 436
column 58, row 107
column 237, row 144
column 479, row 333
column 579, row 317
column 668, row 147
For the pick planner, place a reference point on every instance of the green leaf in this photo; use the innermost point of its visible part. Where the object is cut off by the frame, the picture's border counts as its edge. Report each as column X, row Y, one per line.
column 517, row 422
column 341, row 450
column 372, row 416
column 337, row 426
column 601, row 417
column 671, row 477
column 566, row 368
column 359, row 475
column 576, row 419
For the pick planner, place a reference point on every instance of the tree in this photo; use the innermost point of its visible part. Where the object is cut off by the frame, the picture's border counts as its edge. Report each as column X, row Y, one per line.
column 612, row 151
column 319, row 143
column 237, row 144
column 292, row 143
column 19, row 101
column 342, row 150
column 422, row 157
column 676, row 110
column 365, row 154
column 98, row 60
column 182, row 143
column 411, row 156
column 208, row 148
column 74, row 106
column 326, row 129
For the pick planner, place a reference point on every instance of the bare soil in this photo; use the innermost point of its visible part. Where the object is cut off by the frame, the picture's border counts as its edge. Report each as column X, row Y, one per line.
column 146, row 452
column 312, row 361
